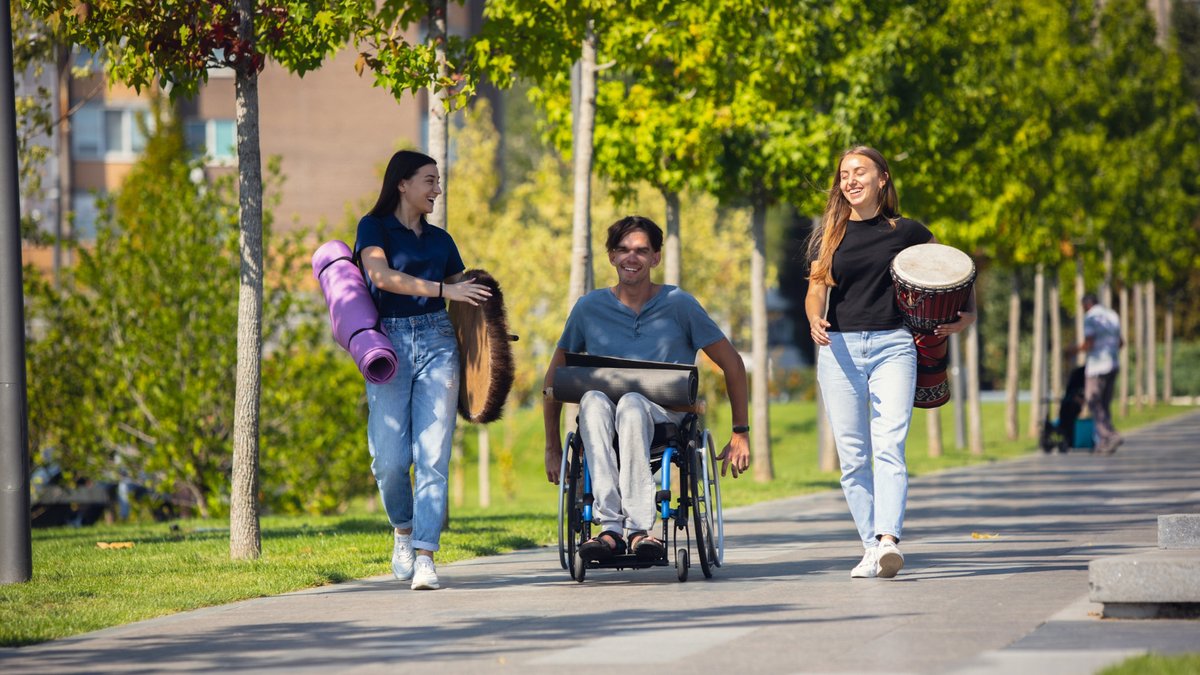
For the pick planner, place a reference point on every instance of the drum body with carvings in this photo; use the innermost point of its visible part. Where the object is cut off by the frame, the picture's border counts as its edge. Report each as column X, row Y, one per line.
column 933, row 282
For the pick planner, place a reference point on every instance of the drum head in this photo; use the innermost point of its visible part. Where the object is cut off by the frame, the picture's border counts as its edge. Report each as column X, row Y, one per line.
column 485, row 353
column 933, row 266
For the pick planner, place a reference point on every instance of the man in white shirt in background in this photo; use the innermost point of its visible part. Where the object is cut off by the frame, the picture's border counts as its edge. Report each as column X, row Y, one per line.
column 1102, row 342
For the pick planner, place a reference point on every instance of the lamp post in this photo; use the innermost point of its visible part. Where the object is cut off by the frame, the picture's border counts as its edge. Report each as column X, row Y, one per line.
column 15, row 548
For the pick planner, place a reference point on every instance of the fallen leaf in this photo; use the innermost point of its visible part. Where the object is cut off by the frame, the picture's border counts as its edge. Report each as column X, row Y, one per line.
column 115, row 544
column 984, row 535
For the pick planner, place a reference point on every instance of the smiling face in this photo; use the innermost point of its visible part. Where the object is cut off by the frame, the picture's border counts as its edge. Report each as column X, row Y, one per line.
column 417, row 194
column 634, row 258
column 861, row 183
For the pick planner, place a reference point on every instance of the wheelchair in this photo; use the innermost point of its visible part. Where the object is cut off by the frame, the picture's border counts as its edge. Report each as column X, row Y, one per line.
column 696, row 513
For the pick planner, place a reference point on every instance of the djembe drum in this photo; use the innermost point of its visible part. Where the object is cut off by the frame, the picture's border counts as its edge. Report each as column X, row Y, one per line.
column 933, row 282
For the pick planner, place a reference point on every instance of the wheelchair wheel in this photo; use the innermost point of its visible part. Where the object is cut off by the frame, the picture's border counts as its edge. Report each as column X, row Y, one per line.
column 681, row 564
column 576, row 530
column 706, row 505
column 578, row 567
column 566, row 503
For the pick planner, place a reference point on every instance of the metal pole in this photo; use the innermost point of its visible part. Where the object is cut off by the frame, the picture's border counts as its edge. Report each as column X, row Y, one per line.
column 16, row 553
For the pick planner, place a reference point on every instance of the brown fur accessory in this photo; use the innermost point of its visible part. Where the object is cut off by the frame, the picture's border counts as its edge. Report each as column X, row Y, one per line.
column 485, row 353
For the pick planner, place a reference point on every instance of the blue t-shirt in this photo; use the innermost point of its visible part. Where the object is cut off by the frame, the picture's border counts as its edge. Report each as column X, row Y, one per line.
column 672, row 327
column 432, row 256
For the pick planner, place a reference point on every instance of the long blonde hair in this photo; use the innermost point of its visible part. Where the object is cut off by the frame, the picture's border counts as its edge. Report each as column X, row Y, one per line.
column 829, row 232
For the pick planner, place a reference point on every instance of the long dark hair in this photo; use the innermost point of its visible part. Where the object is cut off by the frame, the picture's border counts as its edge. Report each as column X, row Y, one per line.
column 402, row 166
column 828, row 233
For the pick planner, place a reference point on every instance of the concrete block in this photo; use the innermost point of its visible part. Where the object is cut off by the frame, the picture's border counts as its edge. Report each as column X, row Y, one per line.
column 1180, row 530
column 1162, row 576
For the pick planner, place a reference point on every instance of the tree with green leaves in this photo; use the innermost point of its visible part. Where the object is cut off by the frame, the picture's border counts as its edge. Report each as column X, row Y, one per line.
column 131, row 366
column 172, row 45
column 134, row 357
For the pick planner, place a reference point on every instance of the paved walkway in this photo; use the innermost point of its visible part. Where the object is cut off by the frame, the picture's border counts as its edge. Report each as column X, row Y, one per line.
column 783, row 602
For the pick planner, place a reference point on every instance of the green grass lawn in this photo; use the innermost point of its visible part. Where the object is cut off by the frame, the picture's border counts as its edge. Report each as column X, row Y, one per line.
column 172, row 567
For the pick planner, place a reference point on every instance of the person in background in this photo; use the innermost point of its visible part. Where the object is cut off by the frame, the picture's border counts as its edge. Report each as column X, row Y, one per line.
column 1101, row 342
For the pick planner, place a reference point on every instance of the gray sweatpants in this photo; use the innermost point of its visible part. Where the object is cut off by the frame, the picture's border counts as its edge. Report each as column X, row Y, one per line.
column 624, row 491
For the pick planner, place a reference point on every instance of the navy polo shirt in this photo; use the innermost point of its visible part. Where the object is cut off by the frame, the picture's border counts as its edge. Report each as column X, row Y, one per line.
column 432, row 256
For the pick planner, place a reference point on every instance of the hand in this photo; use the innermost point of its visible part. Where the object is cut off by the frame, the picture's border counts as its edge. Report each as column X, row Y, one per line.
column 965, row 319
column 554, row 455
column 735, row 455
column 466, row 291
column 819, row 336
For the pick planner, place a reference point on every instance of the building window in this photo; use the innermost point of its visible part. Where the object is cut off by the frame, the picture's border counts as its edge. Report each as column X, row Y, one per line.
column 100, row 132
column 215, row 139
column 83, row 205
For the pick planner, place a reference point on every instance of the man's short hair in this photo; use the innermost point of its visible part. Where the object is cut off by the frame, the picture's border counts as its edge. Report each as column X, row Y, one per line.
column 618, row 230
column 1089, row 299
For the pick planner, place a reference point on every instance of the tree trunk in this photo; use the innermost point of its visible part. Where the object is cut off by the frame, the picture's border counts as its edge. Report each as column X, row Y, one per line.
column 1139, row 351
column 439, row 128
column 65, row 184
column 485, row 461
column 1079, row 291
column 760, row 428
column 933, row 429
column 974, row 409
column 1151, row 346
column 1056, row 342
column 439, row 150
column 585, row 124
column 958, row 391
column 1106, row 286
column 1123, row 376
column 673, row 253
column 1168, row 387
column 245, row 537
column 827, row 458
column 1012, row 373
column 1037, row 370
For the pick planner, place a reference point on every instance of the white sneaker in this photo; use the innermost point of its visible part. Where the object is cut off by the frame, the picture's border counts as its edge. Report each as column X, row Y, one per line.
column 869, row 565
column 425, row 575
column 890, row 559
column 402, row 557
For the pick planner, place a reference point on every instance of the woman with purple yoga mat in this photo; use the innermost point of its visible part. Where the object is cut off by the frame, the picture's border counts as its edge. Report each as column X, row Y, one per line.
column 411, row 269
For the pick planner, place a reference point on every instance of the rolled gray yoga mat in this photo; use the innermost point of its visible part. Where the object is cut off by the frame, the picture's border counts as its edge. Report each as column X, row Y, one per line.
column 668, row 388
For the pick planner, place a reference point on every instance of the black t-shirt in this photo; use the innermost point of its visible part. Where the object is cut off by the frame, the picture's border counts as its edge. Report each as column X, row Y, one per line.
column 865, row 297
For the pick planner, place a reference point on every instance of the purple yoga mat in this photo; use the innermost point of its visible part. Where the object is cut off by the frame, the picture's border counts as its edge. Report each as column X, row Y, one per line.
column 352, row 312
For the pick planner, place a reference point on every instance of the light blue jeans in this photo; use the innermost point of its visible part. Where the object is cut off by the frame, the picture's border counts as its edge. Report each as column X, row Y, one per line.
column 867, row 381
column 622, row 484
column 411, row 424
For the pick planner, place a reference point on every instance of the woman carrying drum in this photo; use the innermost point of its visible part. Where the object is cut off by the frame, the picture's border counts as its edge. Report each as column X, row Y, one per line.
column 866, row 358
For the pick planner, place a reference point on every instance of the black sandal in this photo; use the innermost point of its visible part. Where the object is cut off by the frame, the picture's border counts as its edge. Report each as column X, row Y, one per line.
column 597, row 549
column 646, row 547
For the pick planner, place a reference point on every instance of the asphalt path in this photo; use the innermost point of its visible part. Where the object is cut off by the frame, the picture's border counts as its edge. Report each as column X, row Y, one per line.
column 995, row 582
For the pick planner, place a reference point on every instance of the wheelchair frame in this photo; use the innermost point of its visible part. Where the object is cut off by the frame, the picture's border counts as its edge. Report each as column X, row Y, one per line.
column 692, row 452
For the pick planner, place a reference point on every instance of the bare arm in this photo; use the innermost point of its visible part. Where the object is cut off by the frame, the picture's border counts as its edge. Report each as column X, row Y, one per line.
column 375, row 263
column 551, row 414
column 736, row 453
column 814, row 308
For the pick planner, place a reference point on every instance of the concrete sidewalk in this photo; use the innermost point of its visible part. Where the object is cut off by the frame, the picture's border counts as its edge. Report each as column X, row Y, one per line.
column 996, row 581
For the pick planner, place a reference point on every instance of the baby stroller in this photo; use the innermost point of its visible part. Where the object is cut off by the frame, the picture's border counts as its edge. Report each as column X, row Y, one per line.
column 1060, row 434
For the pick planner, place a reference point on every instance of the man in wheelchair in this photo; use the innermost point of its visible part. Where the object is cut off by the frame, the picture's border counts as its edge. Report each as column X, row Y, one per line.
column 637, row 319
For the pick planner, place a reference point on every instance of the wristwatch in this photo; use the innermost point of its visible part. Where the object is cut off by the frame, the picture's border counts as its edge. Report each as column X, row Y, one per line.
column 741, row 428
